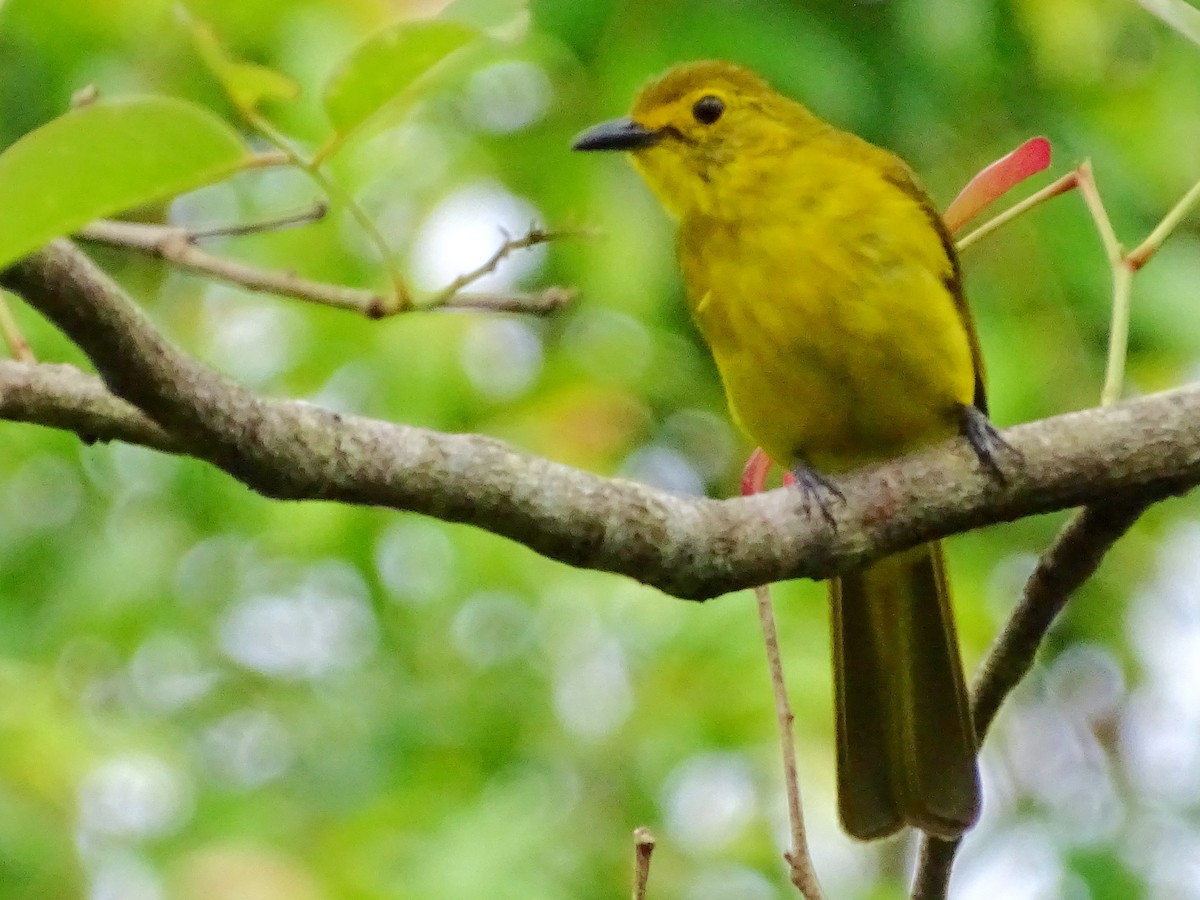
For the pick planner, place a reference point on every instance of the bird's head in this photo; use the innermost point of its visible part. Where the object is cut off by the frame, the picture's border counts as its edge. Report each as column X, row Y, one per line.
column 695, row 125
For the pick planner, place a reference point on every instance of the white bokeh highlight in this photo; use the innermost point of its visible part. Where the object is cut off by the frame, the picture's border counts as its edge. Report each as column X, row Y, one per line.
column 465, row 230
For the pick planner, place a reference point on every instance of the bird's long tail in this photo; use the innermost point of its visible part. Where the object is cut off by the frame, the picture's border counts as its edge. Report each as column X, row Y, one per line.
column 905, row 744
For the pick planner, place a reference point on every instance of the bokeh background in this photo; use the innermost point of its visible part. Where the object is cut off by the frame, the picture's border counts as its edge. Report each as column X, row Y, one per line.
column 204, row 694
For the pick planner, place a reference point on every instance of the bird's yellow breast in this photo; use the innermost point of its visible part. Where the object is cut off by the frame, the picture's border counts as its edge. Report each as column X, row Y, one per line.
column 825, row 301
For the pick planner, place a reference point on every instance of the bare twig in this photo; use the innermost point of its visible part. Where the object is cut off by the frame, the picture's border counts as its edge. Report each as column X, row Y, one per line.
column 1086, row 181
column 800, row 865
column 176, row 246
column 18, row 347
column 267, row 159
column 1064, row 184
column 314, row 213
column 1141, row 254
column 61, row 396
column 643, row 849
column 542, row 303
column 531, row 238
column 1070, row 561
column 401, row 298
column 1118, row 333
column 1122, row 283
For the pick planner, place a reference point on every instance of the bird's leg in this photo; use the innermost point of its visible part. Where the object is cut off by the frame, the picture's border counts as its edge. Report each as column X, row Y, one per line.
column 817, row 490
column 986, row 441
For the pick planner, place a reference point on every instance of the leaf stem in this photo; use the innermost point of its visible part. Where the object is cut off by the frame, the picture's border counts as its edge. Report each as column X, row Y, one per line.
column 1118, row 333
column 1064, row 184
column 402, row 297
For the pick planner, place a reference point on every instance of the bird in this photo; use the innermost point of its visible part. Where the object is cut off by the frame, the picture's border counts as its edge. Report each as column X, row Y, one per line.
column 830, row 294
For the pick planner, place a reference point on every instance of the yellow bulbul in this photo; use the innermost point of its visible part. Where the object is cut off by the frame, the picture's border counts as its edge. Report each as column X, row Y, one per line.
column 829, row 290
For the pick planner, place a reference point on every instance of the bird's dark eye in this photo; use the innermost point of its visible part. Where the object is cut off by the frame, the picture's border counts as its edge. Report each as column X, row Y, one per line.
column 708, row 109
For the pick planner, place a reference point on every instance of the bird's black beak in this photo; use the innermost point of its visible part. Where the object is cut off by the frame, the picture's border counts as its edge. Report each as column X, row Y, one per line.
column 619, row 134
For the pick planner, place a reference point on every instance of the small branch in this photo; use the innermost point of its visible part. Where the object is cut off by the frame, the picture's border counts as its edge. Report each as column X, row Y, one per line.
column 1073, row 558
column 1070, row 561
column 176, row 246
column 543, row 303
column 531, row 238
column 402, row 297
column 1141, row 254
column 643, row 849
column 61, row 396
column 267, row 160
column 1064, row 184
column 1118, row 333
column 800, row 864
column 1091, row 196
column 1124, row 266
column 1177, row 14
column 314, row 213
column 1122, row 286
column 799, row 860
column 18, row 347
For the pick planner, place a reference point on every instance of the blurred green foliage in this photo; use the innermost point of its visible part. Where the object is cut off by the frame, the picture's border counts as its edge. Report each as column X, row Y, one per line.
column 207, row 694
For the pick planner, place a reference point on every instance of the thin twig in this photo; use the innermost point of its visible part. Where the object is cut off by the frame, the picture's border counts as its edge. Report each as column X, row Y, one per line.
column 643, row 849
column 542, row 303
column 1123, row 265
column 61, row 396
column 18, row 347
column 1091, row 196
column 1118, row 333
column 1075, row 555
column 314, row 213
column 402, row 298
column 1141, row 254
column 800, row 866
column 531, row 238
column 1122, row 286
column 802, row 871
column 1064, row 184
column 176, row 246
column 267, row 159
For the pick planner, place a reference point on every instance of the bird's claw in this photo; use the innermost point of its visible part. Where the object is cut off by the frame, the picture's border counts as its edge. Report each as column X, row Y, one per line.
column 817, row 491
column 986, row 441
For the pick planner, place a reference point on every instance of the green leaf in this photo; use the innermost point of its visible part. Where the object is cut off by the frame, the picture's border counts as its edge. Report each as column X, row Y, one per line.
column 505, row 20
column 1181, row 16
column 386, row 65
column 247, row 84
column 104, row 158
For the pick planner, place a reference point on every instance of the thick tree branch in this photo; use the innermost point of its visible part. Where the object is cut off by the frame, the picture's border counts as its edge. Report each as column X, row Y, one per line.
column 690, row 547
column 1070, row 561
column 61, row 396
